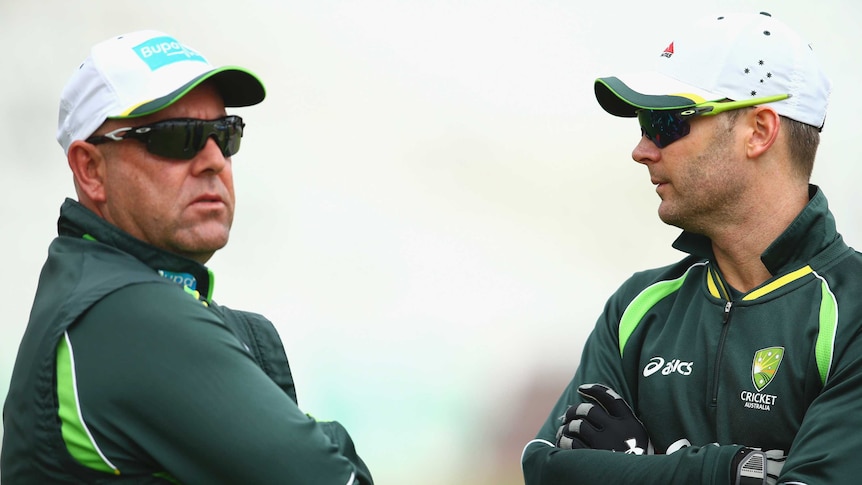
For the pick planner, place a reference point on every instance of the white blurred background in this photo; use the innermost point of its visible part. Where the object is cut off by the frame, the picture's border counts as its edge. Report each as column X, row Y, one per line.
column 432, row 207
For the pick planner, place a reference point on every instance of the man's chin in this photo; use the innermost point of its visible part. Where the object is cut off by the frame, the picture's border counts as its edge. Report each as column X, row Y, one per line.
column 669, row 217
column 200, row 245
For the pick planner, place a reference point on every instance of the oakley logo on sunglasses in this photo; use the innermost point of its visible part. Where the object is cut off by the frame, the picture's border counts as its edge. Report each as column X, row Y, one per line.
column 181, row 138
column 665, row 126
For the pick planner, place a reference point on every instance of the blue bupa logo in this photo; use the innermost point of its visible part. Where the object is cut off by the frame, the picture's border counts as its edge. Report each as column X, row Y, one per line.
column 161, row 51
column 184, row 279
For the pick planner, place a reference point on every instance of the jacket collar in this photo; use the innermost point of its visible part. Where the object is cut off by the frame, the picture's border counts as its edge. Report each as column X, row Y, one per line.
column 79, row 222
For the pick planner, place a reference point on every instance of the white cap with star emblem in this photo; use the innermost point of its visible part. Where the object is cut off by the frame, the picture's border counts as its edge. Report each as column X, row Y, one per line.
column 729, row 57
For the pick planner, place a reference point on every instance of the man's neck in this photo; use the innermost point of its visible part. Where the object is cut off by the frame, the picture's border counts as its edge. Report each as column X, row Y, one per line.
column 741, row 267
column 738, row 248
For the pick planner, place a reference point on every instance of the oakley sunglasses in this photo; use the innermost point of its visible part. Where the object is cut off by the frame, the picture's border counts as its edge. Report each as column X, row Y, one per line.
column 180, row 138
column 663, row 126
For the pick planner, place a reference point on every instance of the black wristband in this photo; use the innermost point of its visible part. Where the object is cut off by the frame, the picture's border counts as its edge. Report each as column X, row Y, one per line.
column 748, row 467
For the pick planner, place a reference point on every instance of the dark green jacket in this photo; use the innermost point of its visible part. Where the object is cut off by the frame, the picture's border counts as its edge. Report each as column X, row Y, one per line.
column 128, row 372
column 778, row 368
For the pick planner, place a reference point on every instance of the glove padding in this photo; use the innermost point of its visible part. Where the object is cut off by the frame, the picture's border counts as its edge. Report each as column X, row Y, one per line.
column 748, row 467
column 610, row 424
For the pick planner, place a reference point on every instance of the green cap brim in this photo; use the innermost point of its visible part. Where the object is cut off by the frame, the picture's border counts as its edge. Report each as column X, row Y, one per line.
column 237, row 86
column 620, row 100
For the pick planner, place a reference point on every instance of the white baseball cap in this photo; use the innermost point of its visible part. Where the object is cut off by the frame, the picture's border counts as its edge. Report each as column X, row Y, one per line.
column 737, row 56
column 140, row 73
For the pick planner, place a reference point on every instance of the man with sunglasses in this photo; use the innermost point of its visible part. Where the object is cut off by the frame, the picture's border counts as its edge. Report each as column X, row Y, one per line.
column 741, row 363
column 128, row 370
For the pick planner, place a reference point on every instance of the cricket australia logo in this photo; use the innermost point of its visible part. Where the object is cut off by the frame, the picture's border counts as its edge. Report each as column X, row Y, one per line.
column 763, row 370
column 765, row 365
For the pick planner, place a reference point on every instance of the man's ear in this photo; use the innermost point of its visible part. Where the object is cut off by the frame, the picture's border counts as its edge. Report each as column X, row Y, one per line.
column 89, row 170
column 765, row 125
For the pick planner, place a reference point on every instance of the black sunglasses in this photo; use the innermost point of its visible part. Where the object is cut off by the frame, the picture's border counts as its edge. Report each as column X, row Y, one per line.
column 181, row 138
column 664, row 127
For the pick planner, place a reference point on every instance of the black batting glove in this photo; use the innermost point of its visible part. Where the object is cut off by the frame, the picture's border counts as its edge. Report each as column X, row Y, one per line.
column 609, row 424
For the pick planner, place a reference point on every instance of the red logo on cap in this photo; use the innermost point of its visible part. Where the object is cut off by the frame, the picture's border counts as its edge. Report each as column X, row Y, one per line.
column 668, row 51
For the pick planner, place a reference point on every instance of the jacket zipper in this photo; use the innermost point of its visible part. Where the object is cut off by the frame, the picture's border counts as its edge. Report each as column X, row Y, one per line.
column 720, row 350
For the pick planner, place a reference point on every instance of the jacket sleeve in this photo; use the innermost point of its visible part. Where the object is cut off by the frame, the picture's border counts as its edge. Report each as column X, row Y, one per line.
column 339, row 436
column 267, row 349
column 826, row 447
column 544, row 464
column 164, row 386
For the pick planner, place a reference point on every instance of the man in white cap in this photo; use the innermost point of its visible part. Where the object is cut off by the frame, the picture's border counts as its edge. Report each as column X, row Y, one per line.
column 128, row 370
column 741, row 363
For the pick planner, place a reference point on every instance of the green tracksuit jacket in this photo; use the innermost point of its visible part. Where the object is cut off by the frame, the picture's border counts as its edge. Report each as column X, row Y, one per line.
column 128, row 372
column 778, row 368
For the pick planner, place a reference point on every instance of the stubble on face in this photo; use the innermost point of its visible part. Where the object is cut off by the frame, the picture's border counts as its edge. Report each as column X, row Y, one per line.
column 174, row 221
column 706, row 187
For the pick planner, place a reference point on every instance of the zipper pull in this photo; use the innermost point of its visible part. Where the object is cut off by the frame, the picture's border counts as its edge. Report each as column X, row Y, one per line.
column 726, row 312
